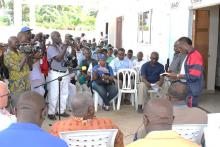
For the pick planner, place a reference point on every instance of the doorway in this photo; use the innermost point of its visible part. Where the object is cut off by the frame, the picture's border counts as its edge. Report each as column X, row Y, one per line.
column 201, row 36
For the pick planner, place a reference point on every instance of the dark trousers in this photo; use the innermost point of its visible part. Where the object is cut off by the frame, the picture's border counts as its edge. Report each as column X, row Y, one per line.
column 107, row 92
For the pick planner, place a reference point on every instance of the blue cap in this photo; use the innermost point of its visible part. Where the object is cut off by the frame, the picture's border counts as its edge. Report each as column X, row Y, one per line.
column 101, row 57
column 25, row 29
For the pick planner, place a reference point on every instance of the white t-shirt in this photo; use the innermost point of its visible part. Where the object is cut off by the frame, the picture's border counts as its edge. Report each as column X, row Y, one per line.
column 182, row 71
column 36, row 74
column 6, row 120
column 138, row 64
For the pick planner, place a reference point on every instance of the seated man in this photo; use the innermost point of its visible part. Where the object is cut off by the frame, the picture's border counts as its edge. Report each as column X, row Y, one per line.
column 157, row 120
column 27, row 132
column 103, row 81
column 6, row 119
column 177, row 94
column 150, row 73
column 121, row 63
column 130, row 56
column 137, row 63
column 83, row 119
column 84, row 77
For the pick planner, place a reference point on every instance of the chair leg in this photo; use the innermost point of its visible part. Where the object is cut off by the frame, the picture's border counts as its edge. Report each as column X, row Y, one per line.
column 119, row 100
column 135, row 100
column 132, row 99
column 113, row 104
column 96, row 101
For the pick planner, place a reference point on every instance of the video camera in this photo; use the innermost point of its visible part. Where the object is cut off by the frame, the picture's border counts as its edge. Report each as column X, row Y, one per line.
column 69, row 59
column 29, row 48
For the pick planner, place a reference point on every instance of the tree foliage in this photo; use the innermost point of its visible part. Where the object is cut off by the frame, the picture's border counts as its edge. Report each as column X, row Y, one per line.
column 52, row 16
column 6, row 8
column 64, row 17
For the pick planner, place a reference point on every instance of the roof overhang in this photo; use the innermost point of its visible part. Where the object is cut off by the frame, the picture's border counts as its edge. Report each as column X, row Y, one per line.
column 198, row 4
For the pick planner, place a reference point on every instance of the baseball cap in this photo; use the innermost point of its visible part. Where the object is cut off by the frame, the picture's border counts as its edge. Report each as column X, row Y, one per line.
column 25, row 29
column 101, row 57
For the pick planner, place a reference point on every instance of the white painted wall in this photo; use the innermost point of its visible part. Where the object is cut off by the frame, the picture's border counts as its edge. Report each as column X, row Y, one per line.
column 167, row 24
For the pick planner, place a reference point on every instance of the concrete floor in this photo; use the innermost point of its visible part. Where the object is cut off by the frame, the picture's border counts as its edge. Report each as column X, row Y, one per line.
column 128, row 120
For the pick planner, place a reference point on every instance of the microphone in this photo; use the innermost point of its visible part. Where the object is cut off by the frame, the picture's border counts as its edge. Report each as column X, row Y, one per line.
column 83, row 68
column 167, row 65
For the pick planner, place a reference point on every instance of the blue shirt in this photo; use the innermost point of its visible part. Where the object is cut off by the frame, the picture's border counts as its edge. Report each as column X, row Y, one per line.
column 117, row 64
column 152, row 71
column 28, row 135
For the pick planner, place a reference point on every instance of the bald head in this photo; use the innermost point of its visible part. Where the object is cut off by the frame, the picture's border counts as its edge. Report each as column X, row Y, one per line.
column 30, row 108
column 140, row 56
column 158, row 107
column 82, row 105
column 158, row 115
column 178, row 90
column 13, row 42
column 56, row 38
column 3, row 95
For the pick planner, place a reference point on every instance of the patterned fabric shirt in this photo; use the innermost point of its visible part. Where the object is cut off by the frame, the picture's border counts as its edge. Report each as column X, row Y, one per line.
column 18, row 80
column 73, row 124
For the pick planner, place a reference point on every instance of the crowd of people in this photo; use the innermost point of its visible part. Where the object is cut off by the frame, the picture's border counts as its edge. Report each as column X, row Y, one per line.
column 35, row 75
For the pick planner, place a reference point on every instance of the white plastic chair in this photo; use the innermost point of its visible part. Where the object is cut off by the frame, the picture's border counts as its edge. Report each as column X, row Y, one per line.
column 212, row 131
column 98, row 100
column 90, row 138
column 193, row 132
column 127, row 75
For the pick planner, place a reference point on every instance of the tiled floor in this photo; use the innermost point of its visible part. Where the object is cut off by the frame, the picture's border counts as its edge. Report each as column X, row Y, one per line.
column 129, row 120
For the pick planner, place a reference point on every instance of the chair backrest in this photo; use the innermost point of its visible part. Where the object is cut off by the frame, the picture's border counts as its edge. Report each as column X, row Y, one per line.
column 128, row 76
column 193, row 132
column 139, row 78
column 90, row 138
column 212, row 132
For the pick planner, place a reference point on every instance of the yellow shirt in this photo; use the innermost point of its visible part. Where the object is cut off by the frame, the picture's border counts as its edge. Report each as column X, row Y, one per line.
column 18, row 80
column 163, row 139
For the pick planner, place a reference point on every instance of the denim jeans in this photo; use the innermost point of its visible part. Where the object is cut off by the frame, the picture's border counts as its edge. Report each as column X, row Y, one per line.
column 107, row 92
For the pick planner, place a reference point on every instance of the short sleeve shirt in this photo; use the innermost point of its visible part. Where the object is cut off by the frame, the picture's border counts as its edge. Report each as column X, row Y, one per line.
column 52, row 52
column 152, row 72
column 103, row 70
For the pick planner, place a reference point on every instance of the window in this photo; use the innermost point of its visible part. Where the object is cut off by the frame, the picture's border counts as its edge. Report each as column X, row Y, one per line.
column 144, row 27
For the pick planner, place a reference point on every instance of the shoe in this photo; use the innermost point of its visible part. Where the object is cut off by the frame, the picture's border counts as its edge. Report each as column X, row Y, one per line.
column 63, row 114
column 140, row 110
column 106, row 108
column 52, row 117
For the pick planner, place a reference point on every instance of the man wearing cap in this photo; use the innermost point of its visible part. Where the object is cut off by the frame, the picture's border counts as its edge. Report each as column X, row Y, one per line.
column 24, row 36
column 103, row 81
column 55, row 55
column 36, row 77
column 5, row 117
